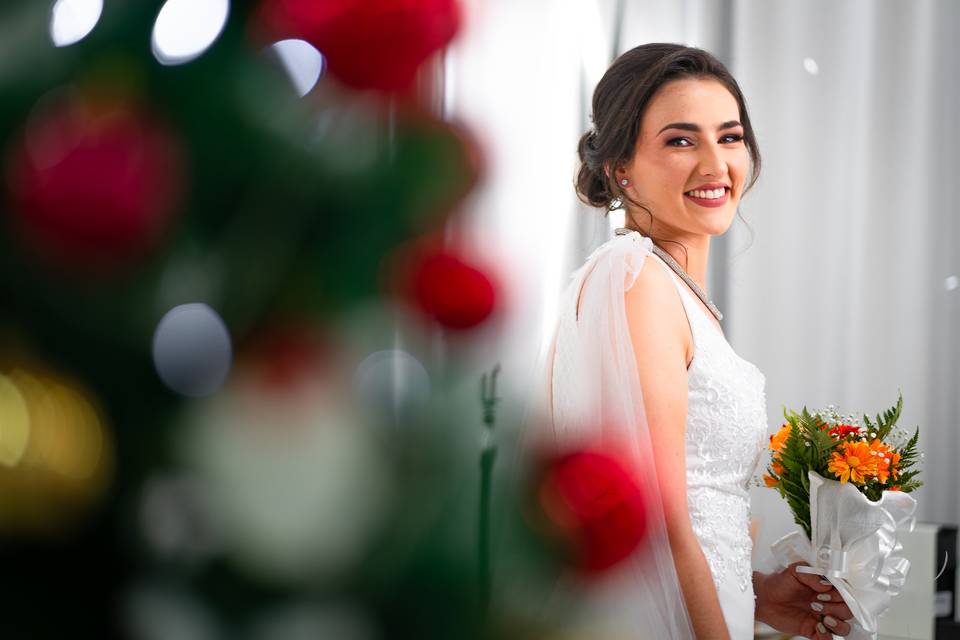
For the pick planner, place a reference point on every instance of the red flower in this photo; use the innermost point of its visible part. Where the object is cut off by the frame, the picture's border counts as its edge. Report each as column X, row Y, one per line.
column 597, row 504
column 841, row 431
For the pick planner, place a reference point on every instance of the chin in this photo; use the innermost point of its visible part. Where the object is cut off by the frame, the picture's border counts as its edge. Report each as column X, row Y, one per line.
column 719, row 225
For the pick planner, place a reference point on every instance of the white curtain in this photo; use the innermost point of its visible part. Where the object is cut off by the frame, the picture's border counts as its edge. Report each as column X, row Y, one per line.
column 845, row 287
column 847, row 290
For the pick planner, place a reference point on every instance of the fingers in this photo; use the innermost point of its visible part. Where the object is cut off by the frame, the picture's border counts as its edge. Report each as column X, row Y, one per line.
column 834, row 625
column 812, row 580
column 820, row 632
column 831, row 604
column 828, row 600
column 825, row 627
column 829, row 614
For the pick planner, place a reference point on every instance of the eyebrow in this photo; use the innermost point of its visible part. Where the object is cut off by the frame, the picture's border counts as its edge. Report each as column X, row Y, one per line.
column 689, row 126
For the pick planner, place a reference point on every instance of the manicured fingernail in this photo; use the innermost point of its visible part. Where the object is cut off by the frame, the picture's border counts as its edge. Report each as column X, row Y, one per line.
column 829, row 621
column 826, row 583
column 824, row 597
column 821, row 628
column 816, row 606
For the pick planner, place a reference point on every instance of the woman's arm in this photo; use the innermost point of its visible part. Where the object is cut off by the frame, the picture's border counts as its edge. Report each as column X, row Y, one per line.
column 699, row 592
column 658, row 330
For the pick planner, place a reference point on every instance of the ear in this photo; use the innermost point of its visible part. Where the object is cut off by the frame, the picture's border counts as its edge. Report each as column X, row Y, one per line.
column 619, row 171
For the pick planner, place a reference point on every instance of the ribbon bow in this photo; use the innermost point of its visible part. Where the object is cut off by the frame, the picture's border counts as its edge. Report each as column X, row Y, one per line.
column 853, row 543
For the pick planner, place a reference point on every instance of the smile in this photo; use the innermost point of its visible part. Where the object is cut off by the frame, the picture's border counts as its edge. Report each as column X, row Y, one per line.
column 709, row 198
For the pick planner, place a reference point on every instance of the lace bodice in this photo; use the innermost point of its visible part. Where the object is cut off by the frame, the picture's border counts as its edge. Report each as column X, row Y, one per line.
column 725, row 437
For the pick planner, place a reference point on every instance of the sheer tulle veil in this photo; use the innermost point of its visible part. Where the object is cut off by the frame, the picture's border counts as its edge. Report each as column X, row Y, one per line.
column 588, row 393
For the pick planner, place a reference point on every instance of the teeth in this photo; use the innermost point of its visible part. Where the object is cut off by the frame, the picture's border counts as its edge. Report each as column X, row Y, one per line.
column 711, row 194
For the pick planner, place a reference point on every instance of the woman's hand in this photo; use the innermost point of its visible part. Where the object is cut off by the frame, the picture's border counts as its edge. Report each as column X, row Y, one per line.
column 800, row 604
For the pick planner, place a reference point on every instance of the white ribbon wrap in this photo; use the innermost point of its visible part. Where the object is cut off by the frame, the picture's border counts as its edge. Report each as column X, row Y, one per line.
column 854, row 545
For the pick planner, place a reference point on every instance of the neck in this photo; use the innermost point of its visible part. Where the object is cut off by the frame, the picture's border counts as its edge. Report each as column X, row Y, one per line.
column 694, row 260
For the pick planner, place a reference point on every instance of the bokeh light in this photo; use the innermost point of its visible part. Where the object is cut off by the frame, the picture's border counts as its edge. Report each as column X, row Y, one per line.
column 302, row 62
column 392, row 381
column 297, row 486
column 810, row 66
column 192, row 351
column 66, row 460
column 184, row 29
column 951, row 282
column 14, row 423
column 72, row 20
column 74, row 449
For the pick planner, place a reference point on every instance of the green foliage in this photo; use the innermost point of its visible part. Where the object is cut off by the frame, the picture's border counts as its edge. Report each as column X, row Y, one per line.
column 908, row 459
column 887, row 421
column 798, row 456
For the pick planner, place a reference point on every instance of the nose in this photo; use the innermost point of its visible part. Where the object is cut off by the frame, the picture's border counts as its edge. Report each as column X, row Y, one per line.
column 712, row 163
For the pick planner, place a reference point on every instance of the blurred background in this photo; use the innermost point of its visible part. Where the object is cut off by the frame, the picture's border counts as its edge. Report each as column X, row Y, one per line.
column 277, row 277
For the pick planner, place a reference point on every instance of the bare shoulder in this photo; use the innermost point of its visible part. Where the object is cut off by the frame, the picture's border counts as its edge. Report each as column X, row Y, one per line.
column 655, row 314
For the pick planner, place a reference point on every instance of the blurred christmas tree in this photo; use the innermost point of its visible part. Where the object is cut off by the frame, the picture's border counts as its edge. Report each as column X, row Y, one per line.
column 223, row 277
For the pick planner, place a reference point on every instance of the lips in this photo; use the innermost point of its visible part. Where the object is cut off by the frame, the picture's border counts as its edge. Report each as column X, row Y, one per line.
column 710, row 202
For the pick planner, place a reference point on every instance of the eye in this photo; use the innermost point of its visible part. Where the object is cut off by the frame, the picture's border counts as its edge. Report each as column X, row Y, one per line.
column 733, row 138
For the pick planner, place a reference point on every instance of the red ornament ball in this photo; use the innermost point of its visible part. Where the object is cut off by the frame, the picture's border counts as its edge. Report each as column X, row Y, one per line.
column 93, row 184
column 367, row 44
column 451, row 292
column 597, row 505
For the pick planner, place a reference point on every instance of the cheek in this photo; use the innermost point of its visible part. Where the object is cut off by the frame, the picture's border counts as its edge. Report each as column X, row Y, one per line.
column 740, row 165
column 674, row 175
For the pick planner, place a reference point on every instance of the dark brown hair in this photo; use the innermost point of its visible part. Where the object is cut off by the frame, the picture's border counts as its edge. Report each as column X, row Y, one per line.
column 619, row 102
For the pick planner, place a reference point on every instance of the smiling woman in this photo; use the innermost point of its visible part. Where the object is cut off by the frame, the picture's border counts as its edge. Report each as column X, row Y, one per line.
column 638, row 365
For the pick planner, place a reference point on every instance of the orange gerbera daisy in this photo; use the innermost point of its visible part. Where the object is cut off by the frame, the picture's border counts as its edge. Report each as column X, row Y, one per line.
column 886, row 459
column 777, row 468
column 853, row 462
column 779, row 438
column 894, row 462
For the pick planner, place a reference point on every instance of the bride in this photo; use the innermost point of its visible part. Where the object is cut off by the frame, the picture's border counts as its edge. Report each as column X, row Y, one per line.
column 640, row 364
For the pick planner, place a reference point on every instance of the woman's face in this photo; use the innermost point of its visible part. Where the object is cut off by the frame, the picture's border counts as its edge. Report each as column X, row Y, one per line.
column 690, row 136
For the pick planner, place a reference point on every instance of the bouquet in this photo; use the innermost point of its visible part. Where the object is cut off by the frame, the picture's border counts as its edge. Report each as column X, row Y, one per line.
column 846, row 482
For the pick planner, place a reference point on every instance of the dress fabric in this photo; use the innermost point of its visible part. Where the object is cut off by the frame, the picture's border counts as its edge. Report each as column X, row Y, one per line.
column 725, row 436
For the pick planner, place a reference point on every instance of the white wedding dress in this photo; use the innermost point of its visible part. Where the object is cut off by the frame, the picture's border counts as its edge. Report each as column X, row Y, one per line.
column 726, row 422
